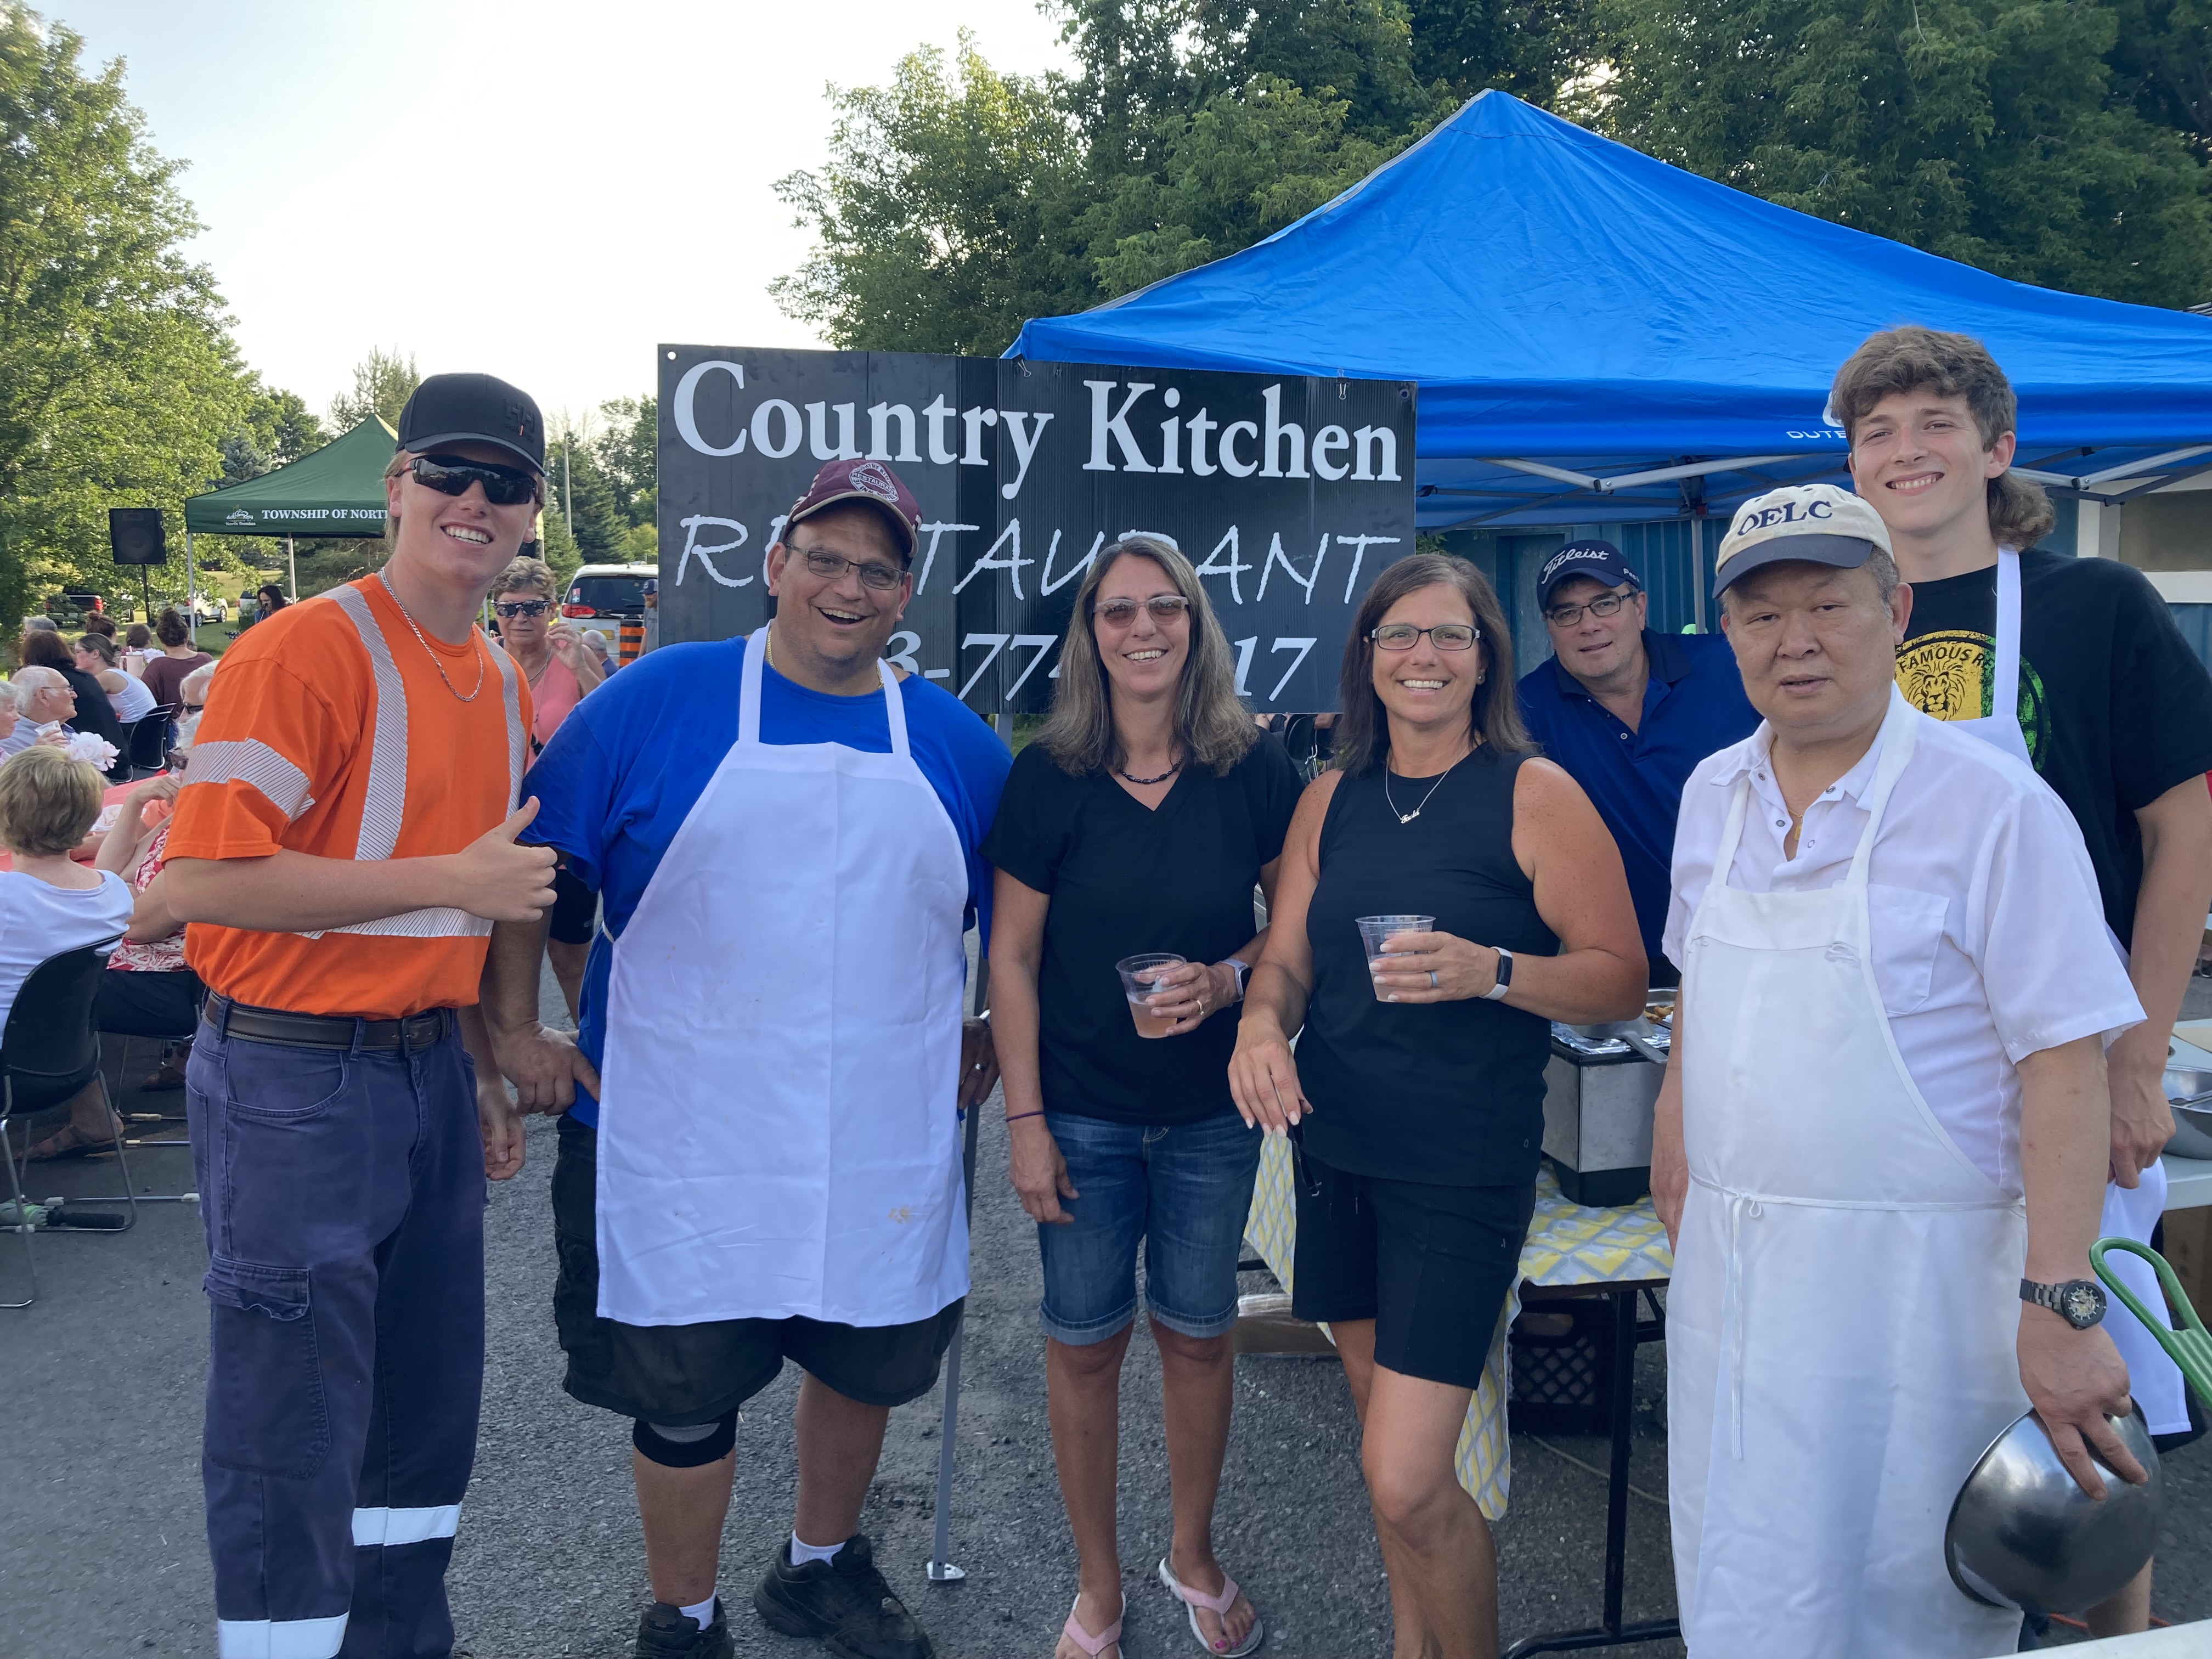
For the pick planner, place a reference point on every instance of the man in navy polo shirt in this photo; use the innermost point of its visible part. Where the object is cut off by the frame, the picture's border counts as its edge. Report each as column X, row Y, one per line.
column 1629, row 713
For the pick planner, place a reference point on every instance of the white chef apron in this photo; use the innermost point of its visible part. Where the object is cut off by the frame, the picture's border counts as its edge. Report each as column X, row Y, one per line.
column 1840, row 1330
column 2129, row 1212
column 778, row 1130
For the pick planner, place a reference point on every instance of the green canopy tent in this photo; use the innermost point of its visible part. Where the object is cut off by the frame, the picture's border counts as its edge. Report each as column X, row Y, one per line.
column 336, row 491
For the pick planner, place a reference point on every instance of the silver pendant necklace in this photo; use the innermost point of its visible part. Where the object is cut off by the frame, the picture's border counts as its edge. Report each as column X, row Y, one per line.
column 1407, row 817
column 434, row 660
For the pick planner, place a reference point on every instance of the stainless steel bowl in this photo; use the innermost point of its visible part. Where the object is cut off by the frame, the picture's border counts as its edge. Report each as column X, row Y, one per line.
column 2023, row 1535
column 2189, row 1092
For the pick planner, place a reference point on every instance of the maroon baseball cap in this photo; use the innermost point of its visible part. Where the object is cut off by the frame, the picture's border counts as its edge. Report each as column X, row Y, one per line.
column 862, row 480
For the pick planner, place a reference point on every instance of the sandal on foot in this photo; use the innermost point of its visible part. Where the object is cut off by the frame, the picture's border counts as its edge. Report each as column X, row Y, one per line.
column 1093, row 1646
column 66, row 1142
column 1218, row 1605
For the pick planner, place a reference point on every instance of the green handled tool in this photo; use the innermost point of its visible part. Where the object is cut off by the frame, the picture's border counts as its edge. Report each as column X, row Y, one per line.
column 2189, row 1344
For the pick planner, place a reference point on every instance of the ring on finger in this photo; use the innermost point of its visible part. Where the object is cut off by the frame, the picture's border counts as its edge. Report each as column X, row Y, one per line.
column 1433, row 979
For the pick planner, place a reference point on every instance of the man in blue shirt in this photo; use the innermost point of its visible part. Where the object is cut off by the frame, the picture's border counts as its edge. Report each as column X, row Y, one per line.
column 762, row 1159
column 1629, row 713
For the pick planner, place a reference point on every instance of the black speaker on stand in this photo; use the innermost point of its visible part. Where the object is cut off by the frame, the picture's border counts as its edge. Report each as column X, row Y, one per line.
column 135, row 536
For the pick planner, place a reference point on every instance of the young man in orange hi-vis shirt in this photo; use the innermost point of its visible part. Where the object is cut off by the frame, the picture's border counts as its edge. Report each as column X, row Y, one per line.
column 344, row 843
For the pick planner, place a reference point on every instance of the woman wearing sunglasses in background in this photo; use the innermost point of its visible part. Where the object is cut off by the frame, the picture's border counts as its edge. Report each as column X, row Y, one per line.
column 561, row 673
column 1139, row 821
column 1424, row 1077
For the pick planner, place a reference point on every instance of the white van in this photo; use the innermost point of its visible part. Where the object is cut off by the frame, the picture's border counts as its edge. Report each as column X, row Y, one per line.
column 614, row 593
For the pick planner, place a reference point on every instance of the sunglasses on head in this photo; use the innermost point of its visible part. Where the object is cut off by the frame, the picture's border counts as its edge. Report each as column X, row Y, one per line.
column 450, row 475
column 506, row 608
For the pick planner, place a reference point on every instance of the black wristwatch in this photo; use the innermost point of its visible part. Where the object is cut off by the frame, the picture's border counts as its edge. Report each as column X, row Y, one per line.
column 2079, row 1302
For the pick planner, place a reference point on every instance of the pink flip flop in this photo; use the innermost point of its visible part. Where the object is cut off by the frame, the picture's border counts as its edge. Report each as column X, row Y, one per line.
column 1093, row 1646
column 1217, row 1605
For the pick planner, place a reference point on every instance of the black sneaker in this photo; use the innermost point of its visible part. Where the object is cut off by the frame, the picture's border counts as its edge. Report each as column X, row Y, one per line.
column 666, row 1631
column 844, row 1601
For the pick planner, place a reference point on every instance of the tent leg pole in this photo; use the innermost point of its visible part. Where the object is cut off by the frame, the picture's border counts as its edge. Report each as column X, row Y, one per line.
column 1698, row 570
column 292, row 568
column 192, row 597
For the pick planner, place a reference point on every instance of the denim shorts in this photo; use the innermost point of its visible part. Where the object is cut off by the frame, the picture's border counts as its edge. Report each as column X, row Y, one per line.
column 1184, row 1190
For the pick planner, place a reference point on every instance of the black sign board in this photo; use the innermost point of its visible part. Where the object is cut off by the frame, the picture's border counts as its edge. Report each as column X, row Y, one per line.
column 1287, row 493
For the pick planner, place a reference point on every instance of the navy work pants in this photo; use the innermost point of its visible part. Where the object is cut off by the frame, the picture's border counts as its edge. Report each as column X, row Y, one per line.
column 342, row 1193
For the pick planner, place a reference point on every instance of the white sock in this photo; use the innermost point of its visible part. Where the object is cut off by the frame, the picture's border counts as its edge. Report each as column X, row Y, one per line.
column 703, row 1615
column 802, row 1552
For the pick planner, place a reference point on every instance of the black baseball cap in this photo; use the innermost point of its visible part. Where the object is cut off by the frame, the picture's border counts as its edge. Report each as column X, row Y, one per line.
column 452, row 409
column 1600, row 561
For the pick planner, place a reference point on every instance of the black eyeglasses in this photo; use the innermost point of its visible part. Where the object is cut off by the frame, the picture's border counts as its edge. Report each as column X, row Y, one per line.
column 449, row 475
column 881, row 577
column 192, row 707
column 1607, row 605
column 1445, row 636
column 522, row 607
column 1165, row 607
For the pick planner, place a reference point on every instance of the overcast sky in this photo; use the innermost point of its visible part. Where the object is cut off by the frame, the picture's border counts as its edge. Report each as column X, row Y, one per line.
column 543, row 190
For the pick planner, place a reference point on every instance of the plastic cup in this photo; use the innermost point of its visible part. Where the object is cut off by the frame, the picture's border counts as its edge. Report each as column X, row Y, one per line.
column 1138, row 974
column 1375, row 930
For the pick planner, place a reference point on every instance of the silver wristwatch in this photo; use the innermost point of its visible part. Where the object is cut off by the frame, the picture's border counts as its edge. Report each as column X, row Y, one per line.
column 2080, row 1302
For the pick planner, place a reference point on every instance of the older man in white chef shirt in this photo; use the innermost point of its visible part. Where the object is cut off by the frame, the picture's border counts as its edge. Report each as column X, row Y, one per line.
column 1881, row 1142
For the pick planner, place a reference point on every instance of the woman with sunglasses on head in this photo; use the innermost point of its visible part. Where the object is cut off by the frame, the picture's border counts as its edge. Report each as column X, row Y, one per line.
column 1139, row 821
column 561, row 673
column 1416, row 1090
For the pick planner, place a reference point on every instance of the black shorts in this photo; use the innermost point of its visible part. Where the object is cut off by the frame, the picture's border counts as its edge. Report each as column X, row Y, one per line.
column 683, row 1374
column 1429, row 1265
column 576, row 908
column 148, row 1003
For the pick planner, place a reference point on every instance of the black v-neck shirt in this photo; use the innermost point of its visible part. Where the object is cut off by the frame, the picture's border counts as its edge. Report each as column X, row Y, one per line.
column 1123, row 880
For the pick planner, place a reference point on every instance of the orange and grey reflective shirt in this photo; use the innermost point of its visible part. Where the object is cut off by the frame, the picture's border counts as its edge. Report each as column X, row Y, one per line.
column 331, row 729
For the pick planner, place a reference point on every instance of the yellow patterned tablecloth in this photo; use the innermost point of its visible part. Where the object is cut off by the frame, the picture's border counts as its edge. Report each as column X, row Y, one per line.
column 1567, row 1245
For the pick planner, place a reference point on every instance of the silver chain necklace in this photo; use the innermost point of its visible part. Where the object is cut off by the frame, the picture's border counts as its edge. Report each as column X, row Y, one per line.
column 1407, row 817
column 436, row 662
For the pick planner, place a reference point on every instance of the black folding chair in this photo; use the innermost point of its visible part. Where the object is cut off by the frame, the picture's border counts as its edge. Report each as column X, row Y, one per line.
column 49, row 1051
column 146, row 741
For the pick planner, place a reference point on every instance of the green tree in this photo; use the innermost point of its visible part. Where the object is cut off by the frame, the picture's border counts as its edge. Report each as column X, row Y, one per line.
column 629, row 434
column 383, row 381
column 943, row 214
column 580, row 492
column 279, row 428
column 118, row 382
column 2163, row 60
column 1989, row 132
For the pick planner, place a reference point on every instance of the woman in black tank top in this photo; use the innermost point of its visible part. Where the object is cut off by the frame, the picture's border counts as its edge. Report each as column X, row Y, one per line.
column 1416, row 1092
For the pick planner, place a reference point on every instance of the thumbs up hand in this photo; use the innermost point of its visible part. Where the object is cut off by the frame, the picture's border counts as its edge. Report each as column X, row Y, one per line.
column 500, row 879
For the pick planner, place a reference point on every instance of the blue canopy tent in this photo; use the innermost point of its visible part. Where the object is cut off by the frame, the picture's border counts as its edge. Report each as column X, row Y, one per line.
column 1600, row 338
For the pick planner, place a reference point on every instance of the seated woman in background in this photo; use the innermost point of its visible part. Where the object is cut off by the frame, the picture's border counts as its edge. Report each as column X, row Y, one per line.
column 1421, row 1061
column 97, row 655
column 50, row 903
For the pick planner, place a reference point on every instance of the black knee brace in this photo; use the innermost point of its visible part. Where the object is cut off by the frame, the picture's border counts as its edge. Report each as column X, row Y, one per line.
column 685, row 1446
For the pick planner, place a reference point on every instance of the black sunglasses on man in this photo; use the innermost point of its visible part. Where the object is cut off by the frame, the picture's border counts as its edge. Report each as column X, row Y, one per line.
column 452, row 475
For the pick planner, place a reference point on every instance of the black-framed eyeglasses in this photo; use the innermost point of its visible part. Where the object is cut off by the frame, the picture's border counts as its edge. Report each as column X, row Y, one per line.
column 1119, row 613
column 192, row 707
column 451, row 475
column 507, row 608
column 1606, row 605
column 1445, row 636
column 829, row 567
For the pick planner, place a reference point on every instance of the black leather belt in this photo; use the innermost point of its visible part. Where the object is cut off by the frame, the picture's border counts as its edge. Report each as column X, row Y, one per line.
column 293, row 1030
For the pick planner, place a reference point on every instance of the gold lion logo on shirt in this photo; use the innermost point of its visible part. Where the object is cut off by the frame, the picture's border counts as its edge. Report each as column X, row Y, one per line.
column 1952, row 675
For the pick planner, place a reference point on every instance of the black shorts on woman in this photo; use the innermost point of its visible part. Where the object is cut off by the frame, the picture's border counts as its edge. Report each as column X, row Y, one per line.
column 1418, row 1167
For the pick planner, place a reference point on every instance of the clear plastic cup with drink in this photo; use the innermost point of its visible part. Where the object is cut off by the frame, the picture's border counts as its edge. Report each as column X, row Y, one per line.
column 1137, row 974
column 1374, row 932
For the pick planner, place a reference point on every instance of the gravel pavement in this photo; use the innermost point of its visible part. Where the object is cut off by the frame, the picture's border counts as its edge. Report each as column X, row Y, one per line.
column 101, row 1552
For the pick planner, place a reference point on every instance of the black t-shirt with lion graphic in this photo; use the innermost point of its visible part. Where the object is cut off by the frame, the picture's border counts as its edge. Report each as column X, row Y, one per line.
column 2114, row 705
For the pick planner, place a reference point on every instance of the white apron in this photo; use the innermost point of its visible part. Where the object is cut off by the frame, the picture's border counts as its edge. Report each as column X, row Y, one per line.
column 2155, row 1379
column 1840, row 1330
column 778, row 1132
